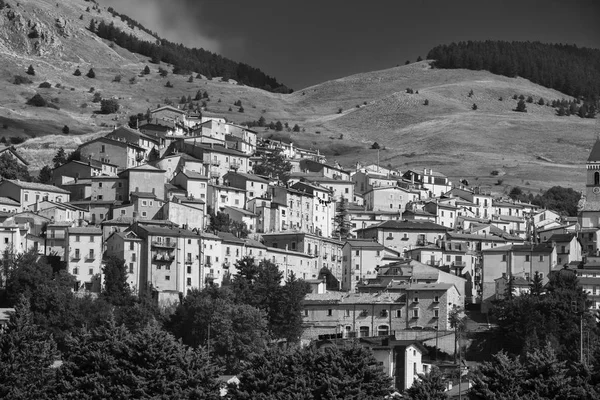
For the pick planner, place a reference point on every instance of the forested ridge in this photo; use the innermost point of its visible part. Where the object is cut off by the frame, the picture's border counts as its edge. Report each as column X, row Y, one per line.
column 186, row 60
column 572, row 70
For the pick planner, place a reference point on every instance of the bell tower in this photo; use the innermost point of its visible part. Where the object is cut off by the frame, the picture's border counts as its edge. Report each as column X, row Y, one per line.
column 592, row 187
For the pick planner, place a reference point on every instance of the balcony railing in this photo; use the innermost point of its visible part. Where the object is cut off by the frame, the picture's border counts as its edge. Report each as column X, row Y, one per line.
column 459, row 263
column 165, row 245
column 163, row 257
column 75, row 258
column 90, row 257
column 189, row 261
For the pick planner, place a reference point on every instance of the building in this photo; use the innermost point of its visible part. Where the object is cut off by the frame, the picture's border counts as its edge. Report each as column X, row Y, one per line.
column 436, row 183
column 28, row 194
column 127, row 246
column 361, row 258
column 83, row 254
column 393, row 198
column 121, row 153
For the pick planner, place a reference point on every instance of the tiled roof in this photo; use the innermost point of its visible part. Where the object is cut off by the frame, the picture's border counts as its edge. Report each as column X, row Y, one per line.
column 364, row 244
column 9, row 201
column 561, row 237
column 407, row 226
column 195, row 175
column 144, row 195
column 85, row 230
column 36, row 186
column 241, row 211
column 250, row 177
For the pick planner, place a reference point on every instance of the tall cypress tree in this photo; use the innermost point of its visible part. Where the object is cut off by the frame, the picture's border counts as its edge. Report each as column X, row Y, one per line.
column 342, row 219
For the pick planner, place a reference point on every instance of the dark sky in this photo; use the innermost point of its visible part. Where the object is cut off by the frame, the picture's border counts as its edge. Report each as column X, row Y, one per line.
column 305, row 42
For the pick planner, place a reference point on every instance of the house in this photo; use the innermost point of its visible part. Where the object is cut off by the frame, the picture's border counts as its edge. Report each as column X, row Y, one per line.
column 58, row 212
column 127, row 246
column 404, row 235
column 75, row 169
column 514, row 261
column 520, row 286
column 240, row 215
column 478, row 200
column 298, row 215
column 311, row 166
column 185, row 212
column 56, row 239
column 219, row 196
column 393, row 198
column 13, row 235
column 28, row 194
column 360, row 218
column 445, row 213
column 174, row 163
column 83, row 255
column 323, row 207
column 327, row 252
column 126, row 134
column 194, row 183
column 568, row 248
column 144, row 178
column 218, row 159
column 436, row 183
column 9, row 205
column 361, row 258
column 365, row 180
column 254, row 185
column 117, row 152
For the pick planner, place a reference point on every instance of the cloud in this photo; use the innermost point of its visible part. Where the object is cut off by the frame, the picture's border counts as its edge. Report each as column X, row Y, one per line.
column 175, row 20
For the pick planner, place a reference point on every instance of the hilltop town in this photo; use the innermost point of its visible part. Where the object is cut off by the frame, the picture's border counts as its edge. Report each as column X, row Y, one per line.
column 183, row 198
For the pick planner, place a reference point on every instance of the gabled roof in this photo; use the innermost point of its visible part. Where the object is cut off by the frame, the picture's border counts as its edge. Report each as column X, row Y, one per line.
column 364, row 244
column 561, row 237
column 35, row 186
column 9, row 201
column 595, row 153
column 13, row 151
column 144, row 195
column 194, row 175
column 85, row 230
column 250, row 177
column 240, row 210
column 167, row 108
column 417, row 225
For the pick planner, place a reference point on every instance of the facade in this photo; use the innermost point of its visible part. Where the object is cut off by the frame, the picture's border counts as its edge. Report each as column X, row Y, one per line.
column 83, row 254
column 391, row 198
column 28, row 194
column 361, row 258
column 117, row 152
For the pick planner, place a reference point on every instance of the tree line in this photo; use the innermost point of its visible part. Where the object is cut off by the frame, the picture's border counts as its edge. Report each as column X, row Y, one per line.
column 572, row 70
column 186, row 60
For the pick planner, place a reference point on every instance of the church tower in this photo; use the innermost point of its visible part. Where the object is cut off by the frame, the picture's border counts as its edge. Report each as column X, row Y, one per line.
column 592, row 186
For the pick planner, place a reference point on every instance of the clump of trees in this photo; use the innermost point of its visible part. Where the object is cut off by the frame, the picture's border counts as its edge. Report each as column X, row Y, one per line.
column 273, row 164
column 557, row 198
column 109, row 106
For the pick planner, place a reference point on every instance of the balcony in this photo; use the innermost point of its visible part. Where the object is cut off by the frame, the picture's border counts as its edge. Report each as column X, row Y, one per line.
column 459, row 264
column 163, row 258
column 210, row 276
column 90, row 257
column 189, row 261
column 76, row 257
column 163, row 245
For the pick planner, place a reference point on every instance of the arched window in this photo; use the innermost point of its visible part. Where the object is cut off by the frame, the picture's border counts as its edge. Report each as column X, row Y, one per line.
column 596, row 178
column 383, row 330
column 364, row 331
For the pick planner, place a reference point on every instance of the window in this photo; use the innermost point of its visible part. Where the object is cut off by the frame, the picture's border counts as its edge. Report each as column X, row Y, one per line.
column 306, row 313
column 77, row 254
column 504, row 257
column 91, row 239
column 144, row 203
column 133, row 257
column 416, row 299
column 436, row 313
column 144, row 213
column 99, row 184
column 103, row 149
column 91, row 254
column 541, row 257
column 131, row 246
column 383, row 330
column 329, row 312
column 189, row 281
column 357, row 266
column 436, row 299
column 123, row 212
column 167, row 277
column 364, row 331
column 526, row 257
column 357, row 252
column 448, row 258
column 131, row 268
column 26, row 197
column 398, row 313
column 415, row 313
column 347, row 190
column 120, row 184
column 347, row 313
column 91, row 271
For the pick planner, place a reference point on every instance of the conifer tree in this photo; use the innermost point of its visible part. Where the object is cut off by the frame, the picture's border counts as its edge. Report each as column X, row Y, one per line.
column 26, row 356
column 91, row 74
column 521, row 107
column 342, row 219
column 77, row 72
column 146, row 70
column 429, row 386
column 45, row 175
column 30, row 70
column 116, row 290
column 59, row 158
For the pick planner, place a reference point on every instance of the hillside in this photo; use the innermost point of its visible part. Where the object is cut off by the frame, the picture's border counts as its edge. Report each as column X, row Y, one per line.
column 446, row 135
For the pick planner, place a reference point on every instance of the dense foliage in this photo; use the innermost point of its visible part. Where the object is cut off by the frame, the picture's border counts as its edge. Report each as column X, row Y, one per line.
column 567, row 68
column 10, row 168
column 186, row 60
column 557, row 198
column 305, row 373
column 274, row 164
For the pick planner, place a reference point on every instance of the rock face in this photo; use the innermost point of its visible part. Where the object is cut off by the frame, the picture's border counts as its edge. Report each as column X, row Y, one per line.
column 28, row 33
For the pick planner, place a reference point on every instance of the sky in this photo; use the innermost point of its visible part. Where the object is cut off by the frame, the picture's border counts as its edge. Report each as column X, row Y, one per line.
column 306, row 42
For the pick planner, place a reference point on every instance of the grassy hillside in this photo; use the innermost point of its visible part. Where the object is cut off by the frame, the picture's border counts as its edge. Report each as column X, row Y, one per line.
column 446, row 135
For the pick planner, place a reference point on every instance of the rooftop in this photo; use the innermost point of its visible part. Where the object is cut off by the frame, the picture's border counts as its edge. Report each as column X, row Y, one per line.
column 36, row 186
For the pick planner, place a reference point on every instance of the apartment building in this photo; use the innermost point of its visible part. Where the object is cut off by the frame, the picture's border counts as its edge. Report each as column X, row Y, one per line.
column 83, row 255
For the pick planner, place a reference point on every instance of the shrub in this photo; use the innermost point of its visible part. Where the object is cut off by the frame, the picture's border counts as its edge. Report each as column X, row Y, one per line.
column 515, row 97
column 500, row 98
column 65, row 130
column 30, row 70
column 230, row 109
column 163, row 72
column 541, row 101
column 91, row 74
column 495, row 173
column 117, row 78
column 17, row 139
column 83, row 105
column 474, row 106
column 146, row 70
column 169, row 84
column 55, row 100
column 97, row 97
column 375, row 146
column 77, row 72
column 132, row 80
column 54, row 106
column 340, row 111
column 191, row 79
column 45, row 85
column 37, row 100
column 426, row 102
column 92, row 89
column 19, row 80
column 521, row 107
column 109, row 106
column 521, row 97
column 241, row 109
column 530, row 99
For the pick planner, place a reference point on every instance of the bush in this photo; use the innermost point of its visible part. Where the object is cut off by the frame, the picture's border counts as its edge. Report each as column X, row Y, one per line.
column 45, row 85
column 91, row 74
column 83, row 105
column 97, row 97
column 495, row 173
column 92, row 89
column 163, row 72
column 169, row 84
column 241, row 109
column 541, row 101
column 521, row 107
column 77, row 72
column 37, row 100
column 146, row 70
column 109, row 106
column 471, row 93
column 30, row 70
column 65, row 130
column 191, row 79
column 20, row 80
column 54, row 106
column 117, row 78
column 375, row 146
column 17, row 139
column 132, row 80
column 515, row 97
column 474, row 106
column 426, row 102
column 530, row 99
column 340, row 111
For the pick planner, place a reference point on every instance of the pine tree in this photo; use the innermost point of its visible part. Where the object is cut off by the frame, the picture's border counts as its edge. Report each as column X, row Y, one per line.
column 146, row 70
column 429, row 386
column 261, row 121
column 474, row 106
column 116, row 290
column 521, row 107
column 59, row 158
column 26, row 357
column 92, row 26
column 77, row 72
column 342, row 219
column 30, row 70
column 91, row 74
column 296, row 128
column 65, row 130
column 278, row 126
column 536, row 287
column 45, row 175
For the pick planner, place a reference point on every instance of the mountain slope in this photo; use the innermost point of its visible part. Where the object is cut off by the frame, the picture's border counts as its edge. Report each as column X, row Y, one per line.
column 447, row 135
